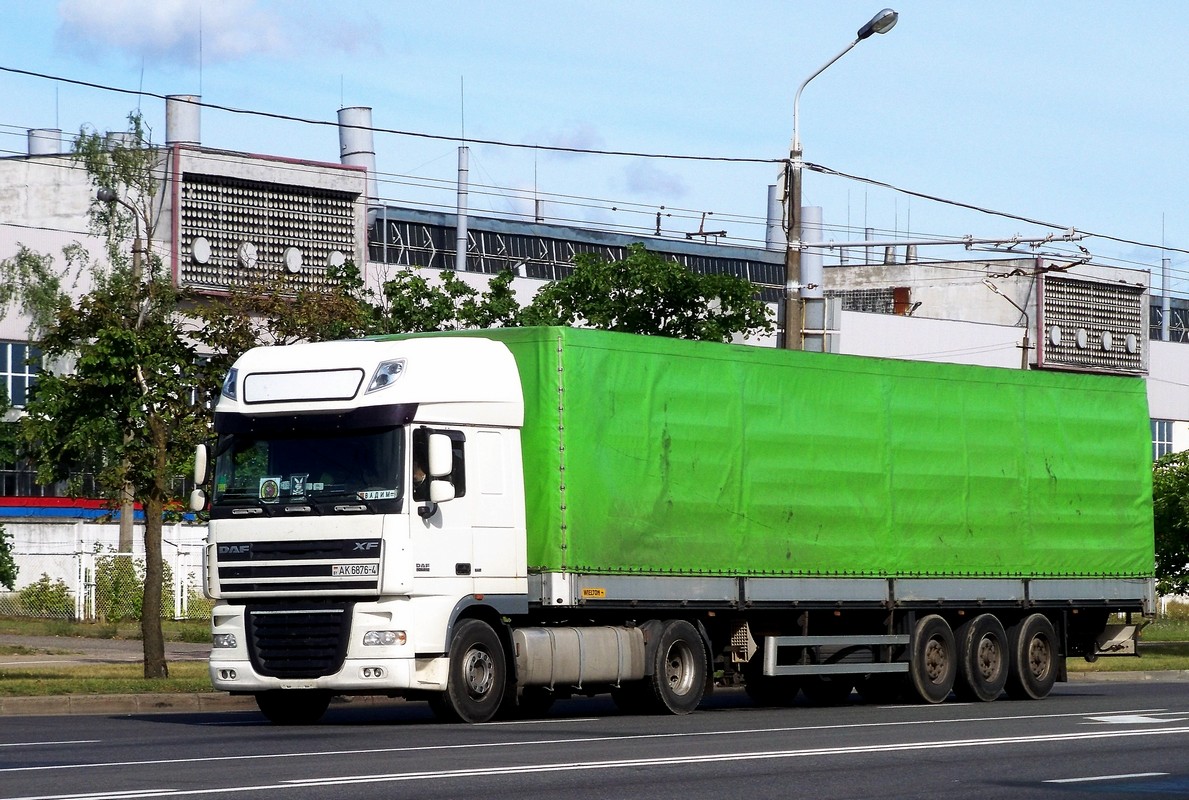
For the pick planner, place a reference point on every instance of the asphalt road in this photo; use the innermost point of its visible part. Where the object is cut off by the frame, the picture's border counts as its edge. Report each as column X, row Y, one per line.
column 1093, row 740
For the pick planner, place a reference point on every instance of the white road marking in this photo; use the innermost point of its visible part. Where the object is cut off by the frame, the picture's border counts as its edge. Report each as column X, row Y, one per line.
column 50, row 744
column 1109, row 777
column 1136, row 719
column 540, row 742
column 634, row 763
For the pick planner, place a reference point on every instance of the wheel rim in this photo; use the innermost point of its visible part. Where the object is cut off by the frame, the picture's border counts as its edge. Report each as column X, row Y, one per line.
column 479, row 671
column 990, row 657
column 937, row 662
column 678, row 672
column 1040, row 657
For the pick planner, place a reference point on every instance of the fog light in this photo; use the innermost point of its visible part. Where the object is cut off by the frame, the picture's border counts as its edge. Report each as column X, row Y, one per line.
column 381, row 638
column 227, row 674
column 373, row 672
column 223, row 640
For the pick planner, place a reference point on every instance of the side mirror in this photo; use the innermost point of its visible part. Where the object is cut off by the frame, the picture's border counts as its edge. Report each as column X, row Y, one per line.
column 198, row 500
column 441, row 455
column 440, row 491
column 200, row 462
column 441, row 464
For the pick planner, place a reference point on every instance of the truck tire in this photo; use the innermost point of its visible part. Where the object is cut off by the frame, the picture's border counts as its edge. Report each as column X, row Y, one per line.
column 1033, row 667
column 983, row 658
column 478, row 674
column 293, row 706
column 932, row 665
column 678, row 669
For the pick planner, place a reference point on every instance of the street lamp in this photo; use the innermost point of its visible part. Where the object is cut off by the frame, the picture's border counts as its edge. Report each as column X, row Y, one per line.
column 127, row 499
column 106, row 195
column 880, row 23
column 1027, row 345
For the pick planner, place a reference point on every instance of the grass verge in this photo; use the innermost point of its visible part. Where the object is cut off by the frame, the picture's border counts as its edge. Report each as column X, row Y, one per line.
column 196, row 631
column 46, row 680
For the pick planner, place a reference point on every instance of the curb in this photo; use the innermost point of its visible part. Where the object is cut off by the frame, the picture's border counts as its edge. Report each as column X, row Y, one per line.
column 1154, row 676
column 152, row 703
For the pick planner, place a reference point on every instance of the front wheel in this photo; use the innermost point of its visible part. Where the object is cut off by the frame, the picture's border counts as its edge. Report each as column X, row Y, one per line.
column 293, row 706
column 478, row 674
column 679, row 669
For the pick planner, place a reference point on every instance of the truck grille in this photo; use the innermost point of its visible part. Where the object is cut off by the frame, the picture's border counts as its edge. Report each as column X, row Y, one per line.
column 339, row 566
column 305, row 642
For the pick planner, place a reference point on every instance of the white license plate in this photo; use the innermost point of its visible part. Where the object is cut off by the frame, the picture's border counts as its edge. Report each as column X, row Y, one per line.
column 354, row 570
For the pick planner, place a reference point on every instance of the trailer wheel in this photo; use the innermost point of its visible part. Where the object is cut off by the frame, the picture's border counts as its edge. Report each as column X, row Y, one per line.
column 678, row 669
column 1033, row 667
column 478, row 673
column 983, row 657
column 931, row 663
column 293, row 706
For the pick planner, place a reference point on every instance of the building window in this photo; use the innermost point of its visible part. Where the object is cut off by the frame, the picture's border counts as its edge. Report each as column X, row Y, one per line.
column 1161, row 438
column 16, row 371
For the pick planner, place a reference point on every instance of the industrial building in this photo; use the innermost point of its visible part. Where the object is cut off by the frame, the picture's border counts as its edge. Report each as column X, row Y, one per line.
column 227, row 219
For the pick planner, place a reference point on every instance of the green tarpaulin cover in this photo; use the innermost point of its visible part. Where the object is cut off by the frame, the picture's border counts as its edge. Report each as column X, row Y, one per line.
column 649, row 455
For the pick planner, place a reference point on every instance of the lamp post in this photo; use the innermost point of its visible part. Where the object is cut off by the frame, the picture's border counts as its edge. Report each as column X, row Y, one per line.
column 880, row 23
column 1027, row 344
column 127, row 493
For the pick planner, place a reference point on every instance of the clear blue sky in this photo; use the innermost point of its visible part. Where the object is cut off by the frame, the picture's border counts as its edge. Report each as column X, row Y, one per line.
column 1072, row 113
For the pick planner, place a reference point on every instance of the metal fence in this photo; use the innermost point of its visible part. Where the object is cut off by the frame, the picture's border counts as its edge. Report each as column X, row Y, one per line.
column 73, row 570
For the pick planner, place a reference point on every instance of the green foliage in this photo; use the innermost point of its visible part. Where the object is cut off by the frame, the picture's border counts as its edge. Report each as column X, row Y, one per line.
column 47, row 598
column 648, row 294
column 1170, row 496
column 38, row 288
column 412, row 303
column 8, row 567
column 119, row 587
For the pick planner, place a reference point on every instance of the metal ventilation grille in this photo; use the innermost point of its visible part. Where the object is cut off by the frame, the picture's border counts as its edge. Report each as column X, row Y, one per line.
column 872, row 301
column 237, row 233
column 1088, row 325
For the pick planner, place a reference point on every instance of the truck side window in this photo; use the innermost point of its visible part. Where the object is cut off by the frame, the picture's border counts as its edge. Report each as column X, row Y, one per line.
column 421, row 462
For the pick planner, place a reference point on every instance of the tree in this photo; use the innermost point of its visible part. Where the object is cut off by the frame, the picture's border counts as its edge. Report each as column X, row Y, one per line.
column 412, row 303
column 1170, row 496
column 125, row 400
column 649, row 294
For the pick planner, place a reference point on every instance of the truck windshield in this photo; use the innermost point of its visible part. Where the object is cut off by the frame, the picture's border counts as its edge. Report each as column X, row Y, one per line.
column 340, row 471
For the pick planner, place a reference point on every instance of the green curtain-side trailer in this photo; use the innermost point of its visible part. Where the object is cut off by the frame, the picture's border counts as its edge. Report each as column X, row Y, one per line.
column 656, row 456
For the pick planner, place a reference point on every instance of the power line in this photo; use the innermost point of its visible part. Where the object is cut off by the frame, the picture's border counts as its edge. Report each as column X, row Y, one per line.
column 617, row 206
column 398, row 132
column 969, row 206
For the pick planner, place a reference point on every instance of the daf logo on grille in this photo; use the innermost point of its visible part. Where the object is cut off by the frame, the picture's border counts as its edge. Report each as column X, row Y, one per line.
column 234, row 549
column 365, row 546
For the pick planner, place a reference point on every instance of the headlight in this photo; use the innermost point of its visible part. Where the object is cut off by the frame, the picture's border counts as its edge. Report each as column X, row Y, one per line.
column 381, row 638
column 385, row 375
column 223, row 640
